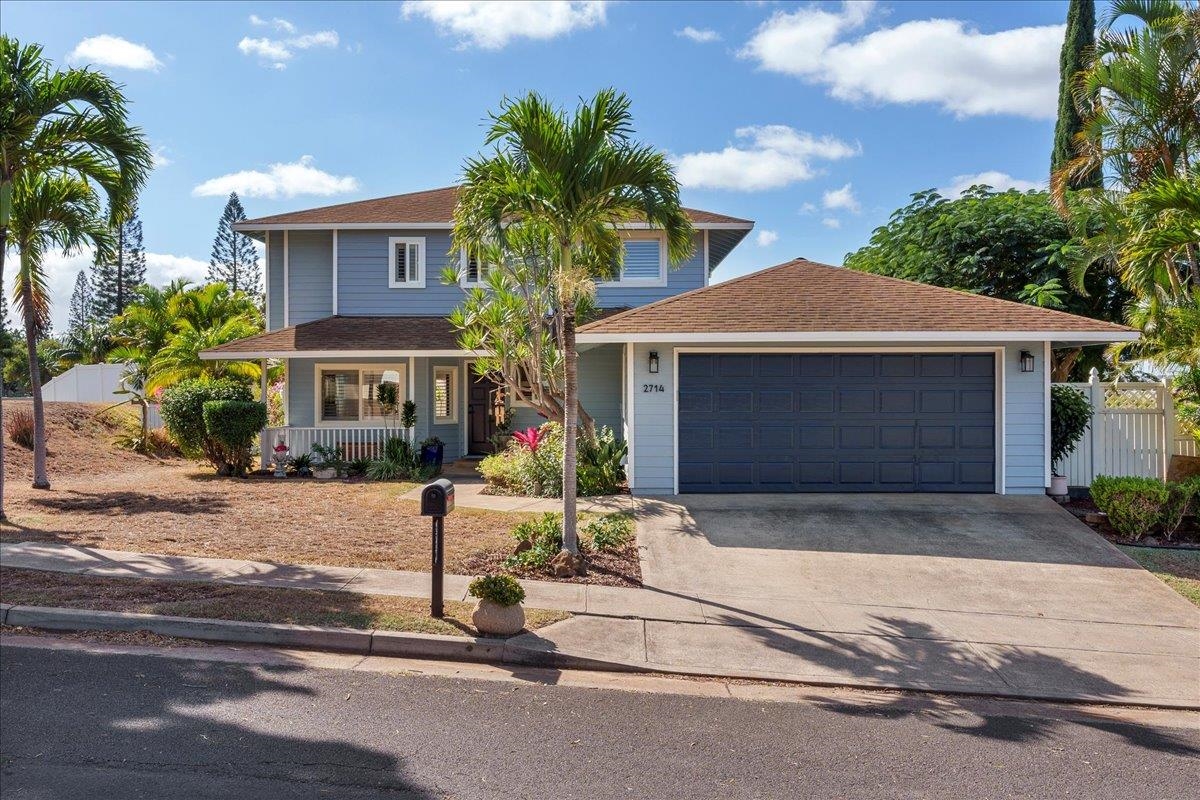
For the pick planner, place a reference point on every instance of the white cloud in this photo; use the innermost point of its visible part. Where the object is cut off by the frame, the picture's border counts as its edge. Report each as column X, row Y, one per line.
column 113, row 51
column 832, row 222
column 766, row 157
column 808, row 208
column 699, row 35
column 163, row 267
column 766, row 238
column 161, row 159
column 299, row 177
column 278, row 23
column 1000, row 181
column 276, row 53
column 492, row 24
column 842, row 198
column 946, row 62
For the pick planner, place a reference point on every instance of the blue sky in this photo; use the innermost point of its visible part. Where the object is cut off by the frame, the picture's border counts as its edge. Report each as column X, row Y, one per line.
column 816, row 120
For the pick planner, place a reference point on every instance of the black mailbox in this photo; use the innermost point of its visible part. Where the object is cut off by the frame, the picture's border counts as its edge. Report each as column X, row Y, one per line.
column 437, row 498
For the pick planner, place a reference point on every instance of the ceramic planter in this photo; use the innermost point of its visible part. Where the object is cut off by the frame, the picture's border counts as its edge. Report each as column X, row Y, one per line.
column 325, row 473
column 1058, row 486
column 491, row 618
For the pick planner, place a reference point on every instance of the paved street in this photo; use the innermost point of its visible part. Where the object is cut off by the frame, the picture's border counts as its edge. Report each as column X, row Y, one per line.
column 100, row 724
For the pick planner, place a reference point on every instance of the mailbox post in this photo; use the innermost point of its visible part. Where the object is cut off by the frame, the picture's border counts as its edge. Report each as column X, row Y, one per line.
column 437, row 500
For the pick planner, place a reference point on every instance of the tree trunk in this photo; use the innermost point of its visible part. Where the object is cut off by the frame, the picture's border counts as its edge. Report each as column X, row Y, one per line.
column 40, row 481
column 570, row 430
column 3, row 247
column 1064, row 360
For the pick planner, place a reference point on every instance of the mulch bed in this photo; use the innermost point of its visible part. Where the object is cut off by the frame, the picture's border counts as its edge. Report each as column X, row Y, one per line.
column 1187, row 537
column 618, row 567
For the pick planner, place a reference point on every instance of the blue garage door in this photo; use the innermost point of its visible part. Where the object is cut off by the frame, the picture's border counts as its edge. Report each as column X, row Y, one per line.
column 791, row 422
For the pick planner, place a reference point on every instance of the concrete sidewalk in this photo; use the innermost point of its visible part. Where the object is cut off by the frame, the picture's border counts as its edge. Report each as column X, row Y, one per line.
column 468, row 488
column 820, row 643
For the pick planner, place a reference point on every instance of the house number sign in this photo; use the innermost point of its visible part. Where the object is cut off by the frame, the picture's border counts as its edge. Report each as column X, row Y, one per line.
column 652, row 387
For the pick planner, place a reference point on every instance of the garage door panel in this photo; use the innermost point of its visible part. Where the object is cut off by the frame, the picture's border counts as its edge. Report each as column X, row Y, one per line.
column 836, row 422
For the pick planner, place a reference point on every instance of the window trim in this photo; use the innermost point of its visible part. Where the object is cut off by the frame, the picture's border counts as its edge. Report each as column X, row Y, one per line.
column 463, row 280
column 419, row 281
column 452, row 418
column 333, row 366
column 661, row 280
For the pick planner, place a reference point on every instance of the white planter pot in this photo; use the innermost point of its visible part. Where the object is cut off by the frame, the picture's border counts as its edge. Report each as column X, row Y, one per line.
column 1058, row 486
column 325, row 474
column 492, row 618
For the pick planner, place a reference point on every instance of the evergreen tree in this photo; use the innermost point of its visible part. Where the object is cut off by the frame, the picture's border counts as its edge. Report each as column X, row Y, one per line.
column 1076, row 56
column 116, row 277
column 81, row 304
column 234, row 258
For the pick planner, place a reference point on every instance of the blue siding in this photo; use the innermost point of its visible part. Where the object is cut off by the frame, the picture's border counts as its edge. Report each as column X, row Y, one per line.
column 275, row 280
column 1025, row 421
column 600, row 390
column 685, row 277
column 310, row 276
column 363, row 275
column 451, row 433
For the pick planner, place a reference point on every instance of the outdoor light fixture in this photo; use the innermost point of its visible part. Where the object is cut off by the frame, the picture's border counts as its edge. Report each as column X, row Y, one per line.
column 390, row 376
column 653, row 362
column 1026, row 361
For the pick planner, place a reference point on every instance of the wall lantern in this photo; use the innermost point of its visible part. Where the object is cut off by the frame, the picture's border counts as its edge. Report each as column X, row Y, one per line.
column 653, row 362
column 1026, row 361
column 390, row 376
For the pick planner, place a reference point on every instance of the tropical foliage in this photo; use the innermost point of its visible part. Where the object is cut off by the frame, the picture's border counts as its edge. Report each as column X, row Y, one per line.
column 557, row 185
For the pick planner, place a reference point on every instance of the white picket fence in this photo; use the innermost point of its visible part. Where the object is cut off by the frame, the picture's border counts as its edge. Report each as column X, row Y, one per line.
column 355, row 442
column 1132, row 432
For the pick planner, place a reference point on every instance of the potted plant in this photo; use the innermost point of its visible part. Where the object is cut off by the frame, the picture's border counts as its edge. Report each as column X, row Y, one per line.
column 330, row 462
column 498, row 611
column 303, row 465
column 280, row 458
column 432, row 451
column 1070, row 414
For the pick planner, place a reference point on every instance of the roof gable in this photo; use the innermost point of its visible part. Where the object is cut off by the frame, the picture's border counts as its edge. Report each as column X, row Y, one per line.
column 804, row 297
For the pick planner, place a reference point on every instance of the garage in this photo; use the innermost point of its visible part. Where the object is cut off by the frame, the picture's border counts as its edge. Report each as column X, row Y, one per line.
column 837, row 422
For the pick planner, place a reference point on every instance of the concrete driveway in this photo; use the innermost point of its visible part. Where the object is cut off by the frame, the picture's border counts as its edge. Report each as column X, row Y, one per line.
column 976, row 593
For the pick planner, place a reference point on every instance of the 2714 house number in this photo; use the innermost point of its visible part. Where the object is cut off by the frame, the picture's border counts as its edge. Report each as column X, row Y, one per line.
column 652, row 387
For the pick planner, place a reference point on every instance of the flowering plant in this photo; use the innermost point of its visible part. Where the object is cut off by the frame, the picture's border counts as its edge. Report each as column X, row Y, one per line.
column 531, row 438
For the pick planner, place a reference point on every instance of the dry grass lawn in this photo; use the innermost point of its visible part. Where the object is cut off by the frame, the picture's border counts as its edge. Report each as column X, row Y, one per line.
column 103, row 496
column 244, row 603
column 1179, row 569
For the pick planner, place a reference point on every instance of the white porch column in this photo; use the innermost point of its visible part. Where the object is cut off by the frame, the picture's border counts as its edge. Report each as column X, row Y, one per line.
column 264, row 440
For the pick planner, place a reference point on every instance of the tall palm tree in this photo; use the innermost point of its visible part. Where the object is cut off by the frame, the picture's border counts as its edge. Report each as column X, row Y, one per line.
column 56, row 212
column 575, row 178
column 71, row 122
column 202, row 318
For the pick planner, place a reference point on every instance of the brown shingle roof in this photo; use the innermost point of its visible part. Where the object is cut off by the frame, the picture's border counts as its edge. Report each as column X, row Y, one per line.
column 435, row 206
column 806, row 297
column 347, row 334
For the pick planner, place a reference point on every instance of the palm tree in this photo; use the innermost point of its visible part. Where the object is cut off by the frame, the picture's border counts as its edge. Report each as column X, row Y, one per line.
column 203, row 318
column 70, row 122
column 85, row 344
column 573, row 178
column 48, row 213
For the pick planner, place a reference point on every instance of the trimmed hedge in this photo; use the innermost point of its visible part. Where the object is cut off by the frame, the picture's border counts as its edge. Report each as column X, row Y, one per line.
column 1135, row 506
column 233, row 424
column 182, row 411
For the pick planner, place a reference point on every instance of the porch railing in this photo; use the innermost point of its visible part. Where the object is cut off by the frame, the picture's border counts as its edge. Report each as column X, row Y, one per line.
column 355, row 442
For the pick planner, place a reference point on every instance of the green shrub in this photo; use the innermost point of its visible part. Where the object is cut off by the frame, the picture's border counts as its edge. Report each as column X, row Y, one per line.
column 600, row 469
column 502, row 470
column 358, row 466
column 1181, row 497
column 400, row 461
column 1133, row 505
column 544, row 535
column 1070, row 413
column 330, row 457
column 502, row 589
column 538, row 473
column 610, row 531
column 231, row 427
column 182, row 411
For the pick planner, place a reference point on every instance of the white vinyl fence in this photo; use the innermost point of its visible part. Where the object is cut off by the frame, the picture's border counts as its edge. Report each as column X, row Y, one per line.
column 92, row 383
column 1132, row 432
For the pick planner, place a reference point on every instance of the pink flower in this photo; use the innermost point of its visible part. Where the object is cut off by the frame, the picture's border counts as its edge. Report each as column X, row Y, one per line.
column 531, row 438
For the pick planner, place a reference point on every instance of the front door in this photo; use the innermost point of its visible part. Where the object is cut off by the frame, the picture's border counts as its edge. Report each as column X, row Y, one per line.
column 481, row 423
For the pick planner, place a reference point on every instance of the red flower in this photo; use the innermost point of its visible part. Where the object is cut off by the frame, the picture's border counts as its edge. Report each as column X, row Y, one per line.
column 531, row 438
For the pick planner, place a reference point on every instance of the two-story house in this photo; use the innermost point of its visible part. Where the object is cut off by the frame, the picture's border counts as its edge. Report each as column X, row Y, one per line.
column 800, row 377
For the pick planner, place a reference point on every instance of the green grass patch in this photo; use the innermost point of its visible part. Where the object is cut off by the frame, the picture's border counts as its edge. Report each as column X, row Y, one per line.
column 1179, row 569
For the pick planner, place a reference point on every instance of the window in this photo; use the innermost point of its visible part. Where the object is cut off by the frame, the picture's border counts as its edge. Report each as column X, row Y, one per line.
column 445, row 404
column 350, row 394
column 406, row 262
column 644, row 263
column 472, row 273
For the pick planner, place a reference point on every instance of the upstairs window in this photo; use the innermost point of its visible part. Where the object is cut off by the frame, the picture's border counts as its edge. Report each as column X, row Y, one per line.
column 645, row 262
column 406, row 262
column 472, row 272
column 445, row 387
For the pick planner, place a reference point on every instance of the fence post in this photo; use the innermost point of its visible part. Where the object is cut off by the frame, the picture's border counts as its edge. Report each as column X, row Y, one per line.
column 1096, row 396
column 1169, row 426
